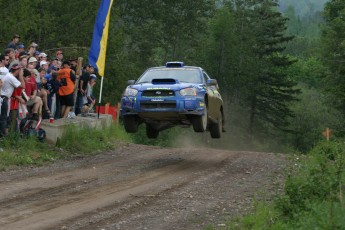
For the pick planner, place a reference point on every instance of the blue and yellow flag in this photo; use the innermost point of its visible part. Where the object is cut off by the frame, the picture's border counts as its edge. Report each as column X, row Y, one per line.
column 98, row 47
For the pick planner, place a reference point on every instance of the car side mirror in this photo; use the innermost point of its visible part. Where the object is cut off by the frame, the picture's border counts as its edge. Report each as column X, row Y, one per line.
column 130, row 82
column 212, row 82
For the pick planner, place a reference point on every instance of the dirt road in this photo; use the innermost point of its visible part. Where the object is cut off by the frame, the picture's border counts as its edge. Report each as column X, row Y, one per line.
column 138, row 187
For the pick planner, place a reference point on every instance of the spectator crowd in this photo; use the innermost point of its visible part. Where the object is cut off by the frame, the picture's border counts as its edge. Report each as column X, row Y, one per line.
column 36, row 86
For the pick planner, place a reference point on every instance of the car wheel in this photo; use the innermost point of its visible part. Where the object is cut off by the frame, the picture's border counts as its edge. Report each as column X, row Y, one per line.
column 151, row 132
column 131, row 124
column 200, row 122
column 216, row 128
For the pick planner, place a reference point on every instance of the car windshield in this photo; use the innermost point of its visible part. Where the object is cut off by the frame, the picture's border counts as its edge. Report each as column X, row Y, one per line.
column 182, row 75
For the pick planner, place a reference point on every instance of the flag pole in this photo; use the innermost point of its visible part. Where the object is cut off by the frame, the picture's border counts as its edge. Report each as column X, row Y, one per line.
column 98, row 48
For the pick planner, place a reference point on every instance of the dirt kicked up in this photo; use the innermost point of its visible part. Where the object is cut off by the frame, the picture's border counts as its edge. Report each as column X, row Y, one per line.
column 138, row 187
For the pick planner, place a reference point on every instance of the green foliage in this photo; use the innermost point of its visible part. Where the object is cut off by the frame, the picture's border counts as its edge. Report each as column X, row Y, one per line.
column 248, row 41
column 313, row 195
column 24, row 151
column 28, row 151
column 90, row 140
column 322, row 215
column 313, row 114
column 264, row 217
column 305, row 26
column 51, row 24
column 333, row 44
column 318, row 179
column 310, row 71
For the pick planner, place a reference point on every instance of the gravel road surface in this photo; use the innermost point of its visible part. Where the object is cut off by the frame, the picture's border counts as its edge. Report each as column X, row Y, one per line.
column 139, row 187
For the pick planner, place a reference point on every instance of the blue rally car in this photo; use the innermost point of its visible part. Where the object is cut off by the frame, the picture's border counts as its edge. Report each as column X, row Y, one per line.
column 173, row 95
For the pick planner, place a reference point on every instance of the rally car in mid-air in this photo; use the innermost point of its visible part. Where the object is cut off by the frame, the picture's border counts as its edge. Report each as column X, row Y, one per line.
column 173, row 95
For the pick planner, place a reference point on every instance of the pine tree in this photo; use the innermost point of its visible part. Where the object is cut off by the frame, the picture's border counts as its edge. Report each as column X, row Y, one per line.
column 249, row 38
column 273, row 90
column 333, row 43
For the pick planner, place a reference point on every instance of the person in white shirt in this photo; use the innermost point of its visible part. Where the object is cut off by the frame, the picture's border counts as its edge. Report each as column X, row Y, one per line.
column 4, row 59
column 10, row 81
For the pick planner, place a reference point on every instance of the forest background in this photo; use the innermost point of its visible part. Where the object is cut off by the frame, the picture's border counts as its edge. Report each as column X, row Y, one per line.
column 280, row 65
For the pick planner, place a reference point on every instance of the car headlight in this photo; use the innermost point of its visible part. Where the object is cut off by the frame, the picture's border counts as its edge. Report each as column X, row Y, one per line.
column 129, row 92
column 188, row 92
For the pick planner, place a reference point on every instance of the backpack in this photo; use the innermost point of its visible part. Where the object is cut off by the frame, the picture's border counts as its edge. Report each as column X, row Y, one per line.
column 26, row 129
column 40, row 134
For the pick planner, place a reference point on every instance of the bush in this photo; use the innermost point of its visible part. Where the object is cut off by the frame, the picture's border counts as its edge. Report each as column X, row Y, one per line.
column 314, row 193
column 317, row 178
column 89, row 140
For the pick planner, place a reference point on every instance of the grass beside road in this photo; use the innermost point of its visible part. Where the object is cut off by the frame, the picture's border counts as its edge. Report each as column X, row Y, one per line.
column 17, row 151
column 313, row 197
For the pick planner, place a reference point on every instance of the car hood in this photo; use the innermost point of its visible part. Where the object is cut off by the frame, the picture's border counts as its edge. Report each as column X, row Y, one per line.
column 149, row 86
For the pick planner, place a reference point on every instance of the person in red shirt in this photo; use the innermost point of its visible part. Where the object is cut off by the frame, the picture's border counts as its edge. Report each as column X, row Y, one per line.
column 31, row 91
column 16, row 101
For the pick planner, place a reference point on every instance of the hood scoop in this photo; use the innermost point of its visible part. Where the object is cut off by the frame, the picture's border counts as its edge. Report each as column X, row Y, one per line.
column 164, row 81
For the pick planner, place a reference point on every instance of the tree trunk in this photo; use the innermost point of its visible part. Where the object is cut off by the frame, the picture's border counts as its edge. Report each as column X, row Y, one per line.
column 252, row 115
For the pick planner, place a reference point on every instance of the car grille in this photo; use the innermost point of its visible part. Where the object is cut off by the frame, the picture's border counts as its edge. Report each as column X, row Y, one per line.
column 158, row 93
column 158, row 104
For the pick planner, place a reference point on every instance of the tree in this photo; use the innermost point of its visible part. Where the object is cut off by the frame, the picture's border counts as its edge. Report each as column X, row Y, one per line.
column 273, row 90
column 251, row 65
column 333, row 43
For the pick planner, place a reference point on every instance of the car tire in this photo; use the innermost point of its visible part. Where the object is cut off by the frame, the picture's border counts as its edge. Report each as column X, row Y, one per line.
column 131, row 124
column 151, row 132
column 216, row 128
column 200, row 122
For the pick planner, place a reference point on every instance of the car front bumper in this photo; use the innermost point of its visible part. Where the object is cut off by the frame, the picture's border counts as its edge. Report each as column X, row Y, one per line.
column 159, row 106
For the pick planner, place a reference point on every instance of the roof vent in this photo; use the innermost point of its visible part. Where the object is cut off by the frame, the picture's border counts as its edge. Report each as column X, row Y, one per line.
column 164, row 81
column 174, row 64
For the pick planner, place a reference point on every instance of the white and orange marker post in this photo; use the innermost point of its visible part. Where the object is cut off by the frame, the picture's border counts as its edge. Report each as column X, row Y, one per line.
column 327, row 133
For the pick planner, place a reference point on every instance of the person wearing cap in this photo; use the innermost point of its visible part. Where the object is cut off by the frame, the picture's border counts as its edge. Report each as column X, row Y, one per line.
column 59, row 55
column 14, row 42
column 32, row 49
column 20, row 48
column 44, row 65
column 67, row 79
column 32, row 63
column 10, row 82
column 36, row 55
column 52, row 66
column 42, row 57
column 89, row 100
column 82, row 85
column 23, row 53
